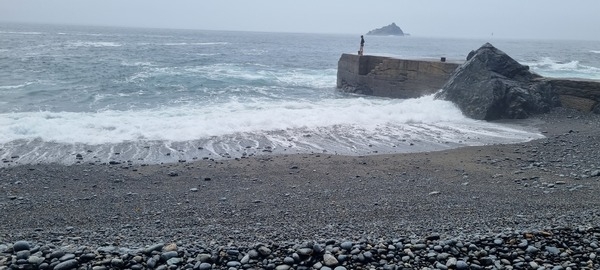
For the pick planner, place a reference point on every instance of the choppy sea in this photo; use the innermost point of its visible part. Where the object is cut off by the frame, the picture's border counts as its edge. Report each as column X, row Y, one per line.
column 73, row 94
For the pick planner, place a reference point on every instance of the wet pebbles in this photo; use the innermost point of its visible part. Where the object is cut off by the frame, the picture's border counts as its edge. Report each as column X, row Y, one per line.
column 556, row 248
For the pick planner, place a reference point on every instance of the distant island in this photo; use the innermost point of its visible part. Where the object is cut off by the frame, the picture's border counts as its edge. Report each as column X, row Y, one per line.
column 390, row 30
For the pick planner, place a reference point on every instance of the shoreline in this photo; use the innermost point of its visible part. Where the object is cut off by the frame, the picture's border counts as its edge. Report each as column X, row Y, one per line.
column 465, row 193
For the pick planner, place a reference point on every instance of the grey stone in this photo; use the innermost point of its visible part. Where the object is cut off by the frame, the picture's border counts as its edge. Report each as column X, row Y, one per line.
column 346, row 245
column 165, row 256
column 151, row 263
column 531, row 249
column 57, row 254
column 117, row 263
column 35, row 260
column 207, row 257
column 174, row 261
column 329, row 260
column 462, row 265
column 245, row 259
column 66, row 265
column 305, row 251
column 288, row 260
column 233, row 252
column 451, row 262
column 21, row 245
column 318, row 249
column 420, row 246
column 205, row 266
column 282, row 267
column 233, row 264
column 264, row 251
column 87, row 257
column 339, row 268
column 107, row 249
column 23, row 254
column 552, row 250
column 67, row 257
column 155, row 247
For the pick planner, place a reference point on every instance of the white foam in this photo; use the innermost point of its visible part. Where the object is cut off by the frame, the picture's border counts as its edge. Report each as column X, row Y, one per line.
column 93, row 44
column 187, row 123
column 7, row 87
column 137, row 64
column 209, row 43
column 20, row 33
column 553, row 68
column 593, row 51
column 195, row 43
column 320, row 79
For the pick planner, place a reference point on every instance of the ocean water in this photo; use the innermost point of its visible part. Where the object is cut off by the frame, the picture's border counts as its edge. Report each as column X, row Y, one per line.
column 73, row 94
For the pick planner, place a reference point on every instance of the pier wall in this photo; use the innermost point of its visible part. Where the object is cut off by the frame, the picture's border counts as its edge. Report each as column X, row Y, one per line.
column 410, row 78
column 391, row 77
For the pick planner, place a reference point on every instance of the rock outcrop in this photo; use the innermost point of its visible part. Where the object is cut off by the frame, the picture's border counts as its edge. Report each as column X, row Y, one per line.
column 580, row 94
column 390, row 30
column 491, row 85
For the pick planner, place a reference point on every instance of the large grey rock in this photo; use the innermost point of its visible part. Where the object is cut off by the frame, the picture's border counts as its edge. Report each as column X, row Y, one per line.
column 491, row 85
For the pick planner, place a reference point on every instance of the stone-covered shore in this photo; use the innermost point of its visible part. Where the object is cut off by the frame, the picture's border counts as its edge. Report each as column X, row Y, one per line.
column 557, row 248
column 530, row 205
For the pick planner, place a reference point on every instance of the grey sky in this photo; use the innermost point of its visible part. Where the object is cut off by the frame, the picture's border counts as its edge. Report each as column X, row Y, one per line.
column 554, row 19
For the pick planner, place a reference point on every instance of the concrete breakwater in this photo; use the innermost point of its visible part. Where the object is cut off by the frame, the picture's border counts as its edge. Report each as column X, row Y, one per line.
column 411, row 78
column 392, row 77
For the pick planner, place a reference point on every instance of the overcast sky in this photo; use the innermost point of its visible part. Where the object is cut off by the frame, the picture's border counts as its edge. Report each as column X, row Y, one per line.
column 553, row 19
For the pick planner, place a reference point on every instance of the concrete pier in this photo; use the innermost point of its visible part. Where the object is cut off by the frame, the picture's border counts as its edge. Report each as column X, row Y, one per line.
column 391, row 77
column 411, row 78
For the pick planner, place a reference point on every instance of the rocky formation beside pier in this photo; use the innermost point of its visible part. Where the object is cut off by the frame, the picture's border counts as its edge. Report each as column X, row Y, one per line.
column 491, row 85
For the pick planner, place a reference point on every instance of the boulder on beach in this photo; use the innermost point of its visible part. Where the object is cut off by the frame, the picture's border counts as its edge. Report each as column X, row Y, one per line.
column 491, row 85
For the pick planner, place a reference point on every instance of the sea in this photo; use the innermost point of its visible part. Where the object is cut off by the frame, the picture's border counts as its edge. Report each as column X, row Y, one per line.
column 85, row 94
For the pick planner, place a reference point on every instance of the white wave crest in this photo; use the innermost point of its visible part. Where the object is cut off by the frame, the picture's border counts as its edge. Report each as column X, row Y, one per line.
column 547, row 66
column 94, row 44
column 6, row 87
column 187, row 123
column 20, row 33
column 196, row 43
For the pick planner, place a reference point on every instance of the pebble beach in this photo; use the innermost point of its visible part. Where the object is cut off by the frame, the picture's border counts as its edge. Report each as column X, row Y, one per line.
column 531, row 205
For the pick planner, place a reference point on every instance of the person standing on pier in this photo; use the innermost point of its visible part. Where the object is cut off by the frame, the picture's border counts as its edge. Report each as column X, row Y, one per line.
column 362, row 45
